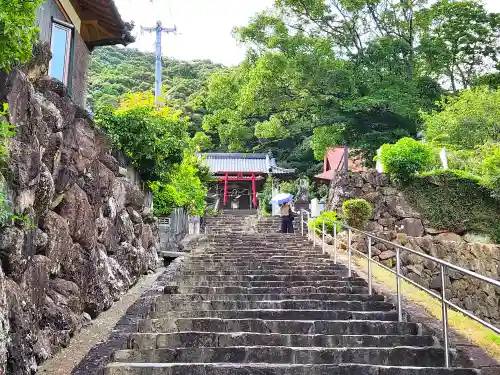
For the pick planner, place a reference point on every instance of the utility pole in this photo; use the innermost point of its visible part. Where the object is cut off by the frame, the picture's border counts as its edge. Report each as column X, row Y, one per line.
column 159, row 30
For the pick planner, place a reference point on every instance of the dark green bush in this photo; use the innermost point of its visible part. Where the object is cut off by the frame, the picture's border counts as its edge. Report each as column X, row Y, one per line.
column 357, row 212
column 407, row 157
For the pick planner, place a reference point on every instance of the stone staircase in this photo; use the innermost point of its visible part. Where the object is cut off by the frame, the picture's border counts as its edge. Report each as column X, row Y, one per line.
column 264, row 303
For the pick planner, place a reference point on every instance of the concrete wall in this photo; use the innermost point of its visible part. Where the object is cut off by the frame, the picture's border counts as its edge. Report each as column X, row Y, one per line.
column 79, row 71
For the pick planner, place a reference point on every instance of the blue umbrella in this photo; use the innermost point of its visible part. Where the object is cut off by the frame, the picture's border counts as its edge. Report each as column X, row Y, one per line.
column 282, row 198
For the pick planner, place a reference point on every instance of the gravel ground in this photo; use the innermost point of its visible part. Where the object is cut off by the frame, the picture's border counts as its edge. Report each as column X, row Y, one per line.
column 90, row 350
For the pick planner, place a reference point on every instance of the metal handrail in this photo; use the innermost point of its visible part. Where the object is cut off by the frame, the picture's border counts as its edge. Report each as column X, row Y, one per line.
column 399, row 276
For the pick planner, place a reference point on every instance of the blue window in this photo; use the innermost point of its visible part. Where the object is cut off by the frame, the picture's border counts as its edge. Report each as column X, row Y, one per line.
column 60, row 48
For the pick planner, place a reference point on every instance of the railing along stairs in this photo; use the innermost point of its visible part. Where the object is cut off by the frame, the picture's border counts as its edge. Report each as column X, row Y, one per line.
column 305, row 218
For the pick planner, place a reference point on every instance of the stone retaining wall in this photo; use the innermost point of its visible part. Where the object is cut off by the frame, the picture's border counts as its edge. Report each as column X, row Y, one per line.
column 395, row 220
column 87, row 237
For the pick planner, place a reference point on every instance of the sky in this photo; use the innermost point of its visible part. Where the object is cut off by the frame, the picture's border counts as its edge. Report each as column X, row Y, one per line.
column 204, row 26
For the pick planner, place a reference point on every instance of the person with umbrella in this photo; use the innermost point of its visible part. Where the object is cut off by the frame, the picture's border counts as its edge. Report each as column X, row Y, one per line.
column 286, row 211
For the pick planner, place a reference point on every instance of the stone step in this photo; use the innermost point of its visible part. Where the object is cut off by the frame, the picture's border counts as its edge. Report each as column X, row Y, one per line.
column 244, row 258
column 258, row 278
column 258, row 269
column 325, row 327
column 261, row 272
column 164, row 306
column 261, row 284
column 387, row 356
column 265, row 290
column 303, row 315
column 266, row 263
column 273, row 297
column 209, row 339
column 274, row 369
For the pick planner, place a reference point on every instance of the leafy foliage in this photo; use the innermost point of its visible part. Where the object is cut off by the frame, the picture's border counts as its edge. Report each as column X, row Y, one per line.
column 17, row 31
column 185, row 188
column 153, row 139
column 330, row 218
column 157, row 142
column 464, row 121
column 357, row 212
column 407, row 157
column 436, row 194
column 115, row 71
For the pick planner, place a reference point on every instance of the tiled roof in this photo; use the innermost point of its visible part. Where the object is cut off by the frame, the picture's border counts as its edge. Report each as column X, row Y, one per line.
column 240, row 162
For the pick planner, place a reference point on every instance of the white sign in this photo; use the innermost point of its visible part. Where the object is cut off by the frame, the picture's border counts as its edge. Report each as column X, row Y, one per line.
column 444, row 158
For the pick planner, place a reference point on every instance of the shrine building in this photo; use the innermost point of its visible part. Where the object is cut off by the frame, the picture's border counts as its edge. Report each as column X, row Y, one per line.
column 239, row 177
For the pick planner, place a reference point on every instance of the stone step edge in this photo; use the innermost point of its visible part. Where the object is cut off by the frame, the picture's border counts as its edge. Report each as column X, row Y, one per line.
column 280, row 365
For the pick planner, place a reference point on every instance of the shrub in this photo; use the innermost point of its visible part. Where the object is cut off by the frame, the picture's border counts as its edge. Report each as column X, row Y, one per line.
column 357, row 212
column 330, row 218
column 18, row 31
column 407, row 157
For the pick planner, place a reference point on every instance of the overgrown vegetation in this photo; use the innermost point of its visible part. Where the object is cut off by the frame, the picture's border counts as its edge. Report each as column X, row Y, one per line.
column 330, row 218
column 18, row 31
column 357, row 212
column 455, row 201
column 157, row 142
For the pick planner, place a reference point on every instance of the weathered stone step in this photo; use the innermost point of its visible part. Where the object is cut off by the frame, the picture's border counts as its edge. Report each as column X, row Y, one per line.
column 260, row 284
column 167, row 305
column 302, row 315
column 264, row 290
column 232, row 257
column 210, row 339
column 263, row 259
column 265, row 267
column 388, row 356
column 246, row 278
column 265, row 263
column 325, row 327
column 273, row 297
column 274, row 369
column 261, row 272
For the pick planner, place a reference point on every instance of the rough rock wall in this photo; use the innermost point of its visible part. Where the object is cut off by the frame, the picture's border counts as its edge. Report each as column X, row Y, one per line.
column 90, row 240
column 395, row 220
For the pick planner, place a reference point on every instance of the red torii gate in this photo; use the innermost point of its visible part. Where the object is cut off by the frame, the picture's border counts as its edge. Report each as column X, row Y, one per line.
column 241, row 176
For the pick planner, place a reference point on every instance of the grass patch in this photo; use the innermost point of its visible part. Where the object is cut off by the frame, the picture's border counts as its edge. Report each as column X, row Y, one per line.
column 469, row 328
column 456, row 202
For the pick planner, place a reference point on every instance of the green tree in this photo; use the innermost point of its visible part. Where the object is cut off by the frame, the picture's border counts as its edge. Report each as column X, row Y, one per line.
column 466, row 120
column 154, row 139
column 461, row 41
column 18, row 31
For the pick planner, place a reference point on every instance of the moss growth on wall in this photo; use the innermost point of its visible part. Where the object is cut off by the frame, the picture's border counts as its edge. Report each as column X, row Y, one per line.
column 454, row 201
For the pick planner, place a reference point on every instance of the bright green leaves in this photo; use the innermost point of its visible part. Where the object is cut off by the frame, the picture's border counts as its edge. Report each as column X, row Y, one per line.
column 467, row 120
column 325, row 137
column 271, row 129
column 18, row 31
column 153, row 139
column 460, row 40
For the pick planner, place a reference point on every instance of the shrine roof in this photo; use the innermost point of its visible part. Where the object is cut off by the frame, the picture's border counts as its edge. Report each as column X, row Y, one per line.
column 241, row 162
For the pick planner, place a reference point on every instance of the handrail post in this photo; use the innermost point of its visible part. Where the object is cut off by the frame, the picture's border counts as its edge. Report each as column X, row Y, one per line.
column 323, row 236
column 335, row 243
column 314, row 232
column 444, row 308
column 308, row 227
column 349, row 252
column 369, row 265
column 398, row 284
column 302, row 223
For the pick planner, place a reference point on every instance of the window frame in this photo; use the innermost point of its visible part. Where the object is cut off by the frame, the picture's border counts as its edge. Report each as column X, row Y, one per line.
column 69, row 40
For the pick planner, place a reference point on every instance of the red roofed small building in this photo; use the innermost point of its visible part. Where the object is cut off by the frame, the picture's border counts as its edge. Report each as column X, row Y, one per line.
column 334, row 161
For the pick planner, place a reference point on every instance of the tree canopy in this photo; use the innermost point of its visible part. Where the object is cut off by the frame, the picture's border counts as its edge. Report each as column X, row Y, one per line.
column 322, row 73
